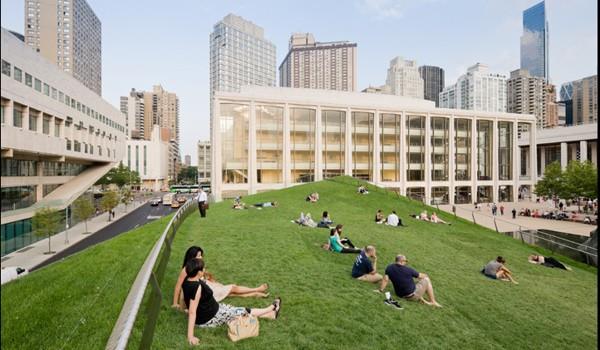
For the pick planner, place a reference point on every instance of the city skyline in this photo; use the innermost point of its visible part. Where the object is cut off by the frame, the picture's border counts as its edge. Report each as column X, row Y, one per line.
column 491, row 36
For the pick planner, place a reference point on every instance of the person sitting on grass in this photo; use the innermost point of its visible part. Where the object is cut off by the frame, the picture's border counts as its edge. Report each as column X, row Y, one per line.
column 436, row 219
column 220, row 291
column 547, row 261
column 341, row 245
column 305, row 220
column 496, row 270
column 402, row 276
column 326, row 221
column 238, row 204
column 265, row 204
column 205, row 311
column 394, row 220
column 313, row 197
column 423, row 216
column 365, row 266
column 379, row 218
column 362, row 190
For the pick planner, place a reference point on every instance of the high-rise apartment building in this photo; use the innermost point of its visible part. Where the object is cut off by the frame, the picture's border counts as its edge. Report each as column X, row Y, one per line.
column 534, row 41
column 315, row 65
column 204, row 161
column 188, row 160
column 404, row 79
column 69, row 34
column 433, row 82
column 585, row 100
column 477, row 90
column 133, row 107
column 528, row 94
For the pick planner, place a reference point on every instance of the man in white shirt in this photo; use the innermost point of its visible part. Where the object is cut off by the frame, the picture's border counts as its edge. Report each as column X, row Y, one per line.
column 202, row 199
column 393, row 219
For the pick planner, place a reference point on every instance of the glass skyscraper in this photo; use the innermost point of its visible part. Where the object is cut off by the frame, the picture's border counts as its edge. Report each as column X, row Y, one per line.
column 534, row 41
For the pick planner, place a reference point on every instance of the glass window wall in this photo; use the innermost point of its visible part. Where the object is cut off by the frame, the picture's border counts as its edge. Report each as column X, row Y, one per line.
column 233, row 126
column 362, row 142
column 334, row 142
column 269, row 144
column 440, row 149
column 462, row 195
column 416, row 193
column 505, row 146
column 485, row 194
column 415, row 154
column 440, row 195
column 17, row 197
column 505, row 193
column 18, row 167
column 462, row 150
column 302, row 144
column 389, row 129
column 484, row 149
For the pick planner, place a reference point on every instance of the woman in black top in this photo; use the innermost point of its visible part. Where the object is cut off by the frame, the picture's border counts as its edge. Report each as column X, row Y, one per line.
column 204, row 311
column 547, row 261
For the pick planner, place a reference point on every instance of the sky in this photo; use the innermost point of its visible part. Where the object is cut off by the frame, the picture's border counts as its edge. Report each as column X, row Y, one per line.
column 151, row 42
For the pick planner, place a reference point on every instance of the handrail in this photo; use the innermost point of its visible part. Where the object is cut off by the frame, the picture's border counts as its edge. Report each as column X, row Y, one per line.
column 121, row 332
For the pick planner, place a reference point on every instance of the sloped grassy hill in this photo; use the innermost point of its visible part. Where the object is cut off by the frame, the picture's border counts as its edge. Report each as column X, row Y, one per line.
column 324, row 308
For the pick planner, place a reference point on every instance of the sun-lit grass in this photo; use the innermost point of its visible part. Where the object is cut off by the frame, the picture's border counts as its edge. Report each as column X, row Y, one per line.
column 73, row 304
column 324, row 308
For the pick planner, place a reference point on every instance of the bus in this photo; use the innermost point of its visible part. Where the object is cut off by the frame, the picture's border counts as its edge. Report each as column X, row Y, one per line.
column 183, row 188
column 168, row 198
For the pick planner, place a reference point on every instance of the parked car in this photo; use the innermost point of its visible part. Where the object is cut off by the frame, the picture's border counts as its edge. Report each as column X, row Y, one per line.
column 155, row 202
column 181, row 199
column 175, row 204
column 10, row 273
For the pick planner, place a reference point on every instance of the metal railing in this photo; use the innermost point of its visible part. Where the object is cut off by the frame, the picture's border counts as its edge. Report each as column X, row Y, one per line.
column 149, row 278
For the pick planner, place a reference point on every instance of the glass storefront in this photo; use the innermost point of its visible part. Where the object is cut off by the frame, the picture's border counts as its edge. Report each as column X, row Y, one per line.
column 505, row 193
column 18, row 197
column 416, row 193
column 362, row 142
column 440, row 195
column 18, row 167
column 302, row 144
column 462, row 195
column 440, row 149
column 233, row 126
column 462, row 150
column 389, row 128
column 505, row 145
column 269, row 144
column 484, row 149
column 485, row 194
column 415, row 154
column 334, row 142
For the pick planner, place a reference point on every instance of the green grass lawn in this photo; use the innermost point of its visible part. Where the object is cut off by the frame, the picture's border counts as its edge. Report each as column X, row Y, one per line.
column 324, row 308
column 73, row 304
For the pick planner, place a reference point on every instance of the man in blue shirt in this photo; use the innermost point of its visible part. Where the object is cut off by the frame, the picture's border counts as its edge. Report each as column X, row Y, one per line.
column 404, row 286
column 365, row 270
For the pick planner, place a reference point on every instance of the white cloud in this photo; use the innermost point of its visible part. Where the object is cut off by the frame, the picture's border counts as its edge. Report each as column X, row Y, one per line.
column 383, row 8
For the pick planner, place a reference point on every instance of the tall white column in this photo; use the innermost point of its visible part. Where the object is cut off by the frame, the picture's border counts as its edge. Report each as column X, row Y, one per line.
column 428, row 159
column 495, row 170
column 474, row 159
column 286, row 146
column 26, row 118
column 451, row 158
column 533, row 158
column 583, row 156
column 215, row 150
column 403, row 151
column 594, row 152
column 348, row 164
column 564, row 155
column 318, row 146
column 252, row 180
column 376, row 166
column 542, row 160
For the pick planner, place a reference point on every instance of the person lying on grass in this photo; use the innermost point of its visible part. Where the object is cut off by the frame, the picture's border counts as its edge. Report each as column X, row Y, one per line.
column 220, row 291
column 341, row 245
column 326, row 221
column 362, row 190
column 305, row 220
column 379, row 218
column 496, row 270
column 313, row 197
column 365, row 266
column 205, row 311
column 404, row 286
column 393, row 219
column 423, row 216
column 265, row 205
column 436, row 219
column 547, row 261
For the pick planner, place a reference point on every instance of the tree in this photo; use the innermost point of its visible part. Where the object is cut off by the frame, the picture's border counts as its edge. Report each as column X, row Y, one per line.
column 580, row 180
column 553, row 183
column 83, row 209
column 188, row 175
column 109, row 201
column 46, row 222
column 126, row 196
column 119, row 176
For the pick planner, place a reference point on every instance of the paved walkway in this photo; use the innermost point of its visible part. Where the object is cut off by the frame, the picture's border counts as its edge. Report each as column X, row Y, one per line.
column 507, row 224
column 33, row 255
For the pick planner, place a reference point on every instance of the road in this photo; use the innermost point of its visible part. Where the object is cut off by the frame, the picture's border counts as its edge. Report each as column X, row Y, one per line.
column 136, row 218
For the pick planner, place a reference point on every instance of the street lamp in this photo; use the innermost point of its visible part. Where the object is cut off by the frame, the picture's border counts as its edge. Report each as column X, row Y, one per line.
column 67, row 225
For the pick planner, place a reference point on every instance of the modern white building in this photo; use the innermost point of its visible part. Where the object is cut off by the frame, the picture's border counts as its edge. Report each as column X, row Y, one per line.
column 404, row 79
column 204, row 161
column 319, row 65
column 150, row 158
column 133, row 106
column 477, row 90
column 270, row 138
column 58, row 138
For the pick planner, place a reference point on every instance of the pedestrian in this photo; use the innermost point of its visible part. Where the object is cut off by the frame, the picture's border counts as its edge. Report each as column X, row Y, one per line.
column 454, row 209
column 113, row 214
column 560, row 206
column 494, row 209
column 202, row 199
column 501, row 209
column 514, row 212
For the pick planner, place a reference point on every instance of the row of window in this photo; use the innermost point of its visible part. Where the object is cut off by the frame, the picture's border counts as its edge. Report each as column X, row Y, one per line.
column 22, row 167
column 55, row 94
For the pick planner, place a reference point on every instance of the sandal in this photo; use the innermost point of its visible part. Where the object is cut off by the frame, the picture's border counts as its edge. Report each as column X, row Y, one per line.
column 277, row 306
